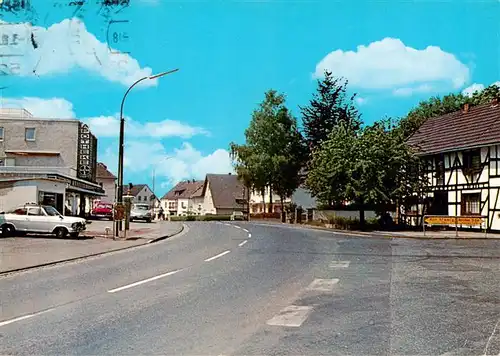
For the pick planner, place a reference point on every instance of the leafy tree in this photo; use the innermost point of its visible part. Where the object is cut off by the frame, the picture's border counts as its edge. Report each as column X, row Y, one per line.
column 436, row 106
column 369, row 167
column 274, row 150
column 328, row 107
column 331, row 166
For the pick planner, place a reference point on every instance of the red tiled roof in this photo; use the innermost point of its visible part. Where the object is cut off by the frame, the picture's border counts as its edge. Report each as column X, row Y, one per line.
column 185, row 189
column 479, row 126
column 226, row 190
column 103, row 172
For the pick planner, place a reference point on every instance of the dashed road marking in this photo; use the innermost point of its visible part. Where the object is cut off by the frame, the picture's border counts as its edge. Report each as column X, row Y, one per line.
column 323, row 285
column 217, row 256
column 249, row 235
column 236, row 226
column 245, row 230
column 144, row 281
column 24, row 317
column 242, row 243
column 340, row 264
column 292, row 316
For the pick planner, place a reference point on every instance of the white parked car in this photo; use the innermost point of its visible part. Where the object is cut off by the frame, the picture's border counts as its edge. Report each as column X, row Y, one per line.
column 40, row 219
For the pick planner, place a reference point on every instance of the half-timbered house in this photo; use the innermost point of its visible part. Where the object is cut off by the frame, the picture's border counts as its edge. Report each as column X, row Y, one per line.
column 462, row 155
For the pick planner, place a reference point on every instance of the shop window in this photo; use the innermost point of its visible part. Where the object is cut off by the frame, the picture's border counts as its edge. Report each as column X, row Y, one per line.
column 471, row 204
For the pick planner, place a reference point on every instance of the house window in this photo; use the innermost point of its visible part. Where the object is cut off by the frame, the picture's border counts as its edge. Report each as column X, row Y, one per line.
column 439, row 170
column 472, row 163
column 139, row 198
column 1, row 133
column 471, row 204
column 29, row 134
column 183, row 204
column 171, row 205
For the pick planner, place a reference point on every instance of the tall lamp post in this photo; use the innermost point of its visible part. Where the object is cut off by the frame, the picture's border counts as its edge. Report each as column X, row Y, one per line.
column 120, row 147
column 154, row 173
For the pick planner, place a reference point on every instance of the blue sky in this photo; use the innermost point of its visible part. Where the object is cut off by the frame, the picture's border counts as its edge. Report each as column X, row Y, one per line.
column 394, row 54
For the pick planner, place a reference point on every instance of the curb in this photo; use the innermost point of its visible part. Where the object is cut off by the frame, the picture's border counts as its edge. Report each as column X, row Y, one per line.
column 52, row 263
column 375, row 234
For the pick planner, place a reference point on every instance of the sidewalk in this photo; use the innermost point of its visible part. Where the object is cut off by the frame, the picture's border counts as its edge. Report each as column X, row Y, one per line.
column 463, row 235
column 19, row 253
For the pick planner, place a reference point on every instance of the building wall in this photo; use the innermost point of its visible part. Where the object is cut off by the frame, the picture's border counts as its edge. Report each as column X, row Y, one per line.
column 257, row 201
column 195, row 204
column 208, row 202
column 109, row 188
column 50, row 135
column 144, row 196
column 11, row 197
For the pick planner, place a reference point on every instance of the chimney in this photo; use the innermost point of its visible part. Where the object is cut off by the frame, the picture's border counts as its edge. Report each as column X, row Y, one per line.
column 494, row 102
column 466, row 107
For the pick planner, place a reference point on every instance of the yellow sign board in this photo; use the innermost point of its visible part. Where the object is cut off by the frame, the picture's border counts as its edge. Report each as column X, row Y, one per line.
column 452, row 220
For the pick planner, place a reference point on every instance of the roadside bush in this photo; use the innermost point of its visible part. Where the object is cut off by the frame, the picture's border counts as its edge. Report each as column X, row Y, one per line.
column 265, row 216
column 215, row 218
column 190, row 218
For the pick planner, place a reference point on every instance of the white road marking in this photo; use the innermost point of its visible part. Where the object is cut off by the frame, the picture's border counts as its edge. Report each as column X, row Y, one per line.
column 245, row 230
column 7, row 322
column 242, row 243
column 491, row 338
column 292, row 315
column 340, row 264
column 144, row 281
column 217, row 256
column 249, row 235
column 323, row 285
column 236, row 226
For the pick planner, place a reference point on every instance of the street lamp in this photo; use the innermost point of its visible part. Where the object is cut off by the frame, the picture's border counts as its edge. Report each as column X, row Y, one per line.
column 120, row 147
column 154, row 171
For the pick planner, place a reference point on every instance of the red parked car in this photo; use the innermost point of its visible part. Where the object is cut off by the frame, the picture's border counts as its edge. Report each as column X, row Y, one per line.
column 102, row 210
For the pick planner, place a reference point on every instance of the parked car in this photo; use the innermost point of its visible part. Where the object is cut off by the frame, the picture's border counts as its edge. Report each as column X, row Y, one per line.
column 102, row 210
column 141, row 212
column 41, row 219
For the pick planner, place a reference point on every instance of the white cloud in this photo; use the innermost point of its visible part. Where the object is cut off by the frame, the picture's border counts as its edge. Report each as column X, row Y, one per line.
column 408, row 91
column 109, row 126
column 470, row 90
column 65, row 46
column 54, row 108
column 390, row 64
column 360, row 100
column 102, row 126
column 170, row 167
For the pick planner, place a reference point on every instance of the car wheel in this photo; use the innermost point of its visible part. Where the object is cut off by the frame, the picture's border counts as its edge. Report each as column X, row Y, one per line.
column 61, row 232
column 8, row 230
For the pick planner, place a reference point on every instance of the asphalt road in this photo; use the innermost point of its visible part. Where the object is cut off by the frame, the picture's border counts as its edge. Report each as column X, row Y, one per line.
column 218, row 289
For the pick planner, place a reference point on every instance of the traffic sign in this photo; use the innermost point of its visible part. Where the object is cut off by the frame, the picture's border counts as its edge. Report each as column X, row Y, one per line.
column 452, row 220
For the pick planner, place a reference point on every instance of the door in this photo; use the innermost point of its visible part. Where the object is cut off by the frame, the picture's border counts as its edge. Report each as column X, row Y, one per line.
column 37, row 220
column 18, row 218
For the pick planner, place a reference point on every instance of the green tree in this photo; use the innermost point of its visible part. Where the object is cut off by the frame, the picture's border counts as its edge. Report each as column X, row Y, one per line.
column 274, row 151
column 436, row 106
column 329, row 106
column 331, row 166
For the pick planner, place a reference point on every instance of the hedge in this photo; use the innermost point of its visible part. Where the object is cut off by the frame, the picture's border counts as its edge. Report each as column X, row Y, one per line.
column 201, row 218
column 265, row 216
